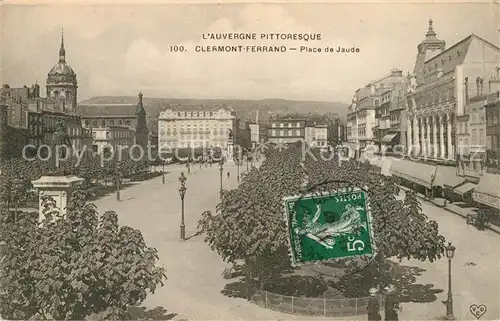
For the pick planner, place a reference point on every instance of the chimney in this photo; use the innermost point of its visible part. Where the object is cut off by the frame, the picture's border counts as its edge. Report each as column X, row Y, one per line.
column 481, row 83
column 477, row 85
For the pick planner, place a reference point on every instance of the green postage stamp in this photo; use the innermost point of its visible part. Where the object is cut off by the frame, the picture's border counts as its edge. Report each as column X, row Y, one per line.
column 326, row 226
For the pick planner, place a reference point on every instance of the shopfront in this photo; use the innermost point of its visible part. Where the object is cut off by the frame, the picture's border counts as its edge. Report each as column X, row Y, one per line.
column 415, row 175
column 487, row 192
column 445, row 182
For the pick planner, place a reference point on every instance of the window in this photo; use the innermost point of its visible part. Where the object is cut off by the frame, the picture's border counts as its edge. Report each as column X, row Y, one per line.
column 282, row 125
column 297, row 132
column 474, row 136
column 298, row 124
column 290, row 132
column 273, row 132
column 87, row 123
column 482, row 136
column 282, row 133
column 103, row 123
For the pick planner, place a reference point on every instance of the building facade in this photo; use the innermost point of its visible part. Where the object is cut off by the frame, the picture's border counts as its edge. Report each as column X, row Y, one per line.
column 471, row 139
column 132, row 116
column 195, row 126
column 492, row 107
column 36, row 117
column 114, row 139
column 437, row 91
column 286, row 130
column 316, row 135
column 368, row 116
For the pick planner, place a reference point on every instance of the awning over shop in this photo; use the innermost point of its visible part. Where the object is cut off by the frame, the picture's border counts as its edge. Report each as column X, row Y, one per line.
column 419, row 173
column 488, row 190
column 462, row 189
column 383, row 162
column 389, row 137
column 447, row 176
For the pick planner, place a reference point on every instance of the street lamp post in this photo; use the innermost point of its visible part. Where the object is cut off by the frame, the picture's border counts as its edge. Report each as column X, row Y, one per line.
column 221, row 169
column 163, row 171
column 238, row 169
column 17, row 184
column 118, row 179
column 450, row 252
column 182, row 193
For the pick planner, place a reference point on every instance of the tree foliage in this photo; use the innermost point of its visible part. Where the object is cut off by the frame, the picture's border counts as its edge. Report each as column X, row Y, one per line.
column 73, row 267
column 249, row 223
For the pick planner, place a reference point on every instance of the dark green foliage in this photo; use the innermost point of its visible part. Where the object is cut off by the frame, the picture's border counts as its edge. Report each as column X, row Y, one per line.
column 73, row 267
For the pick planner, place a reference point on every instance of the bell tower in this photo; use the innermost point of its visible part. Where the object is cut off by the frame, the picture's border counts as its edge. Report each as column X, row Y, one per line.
column 428, row 48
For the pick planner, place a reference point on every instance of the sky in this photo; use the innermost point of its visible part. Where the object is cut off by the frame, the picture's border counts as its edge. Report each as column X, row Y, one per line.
column 124, row 49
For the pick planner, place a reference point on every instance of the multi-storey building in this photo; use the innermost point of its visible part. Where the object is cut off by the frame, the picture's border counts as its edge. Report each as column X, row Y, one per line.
column 195, row 126
column 254, row 134
column 487, row 192
column 114, row 139
column 111, row 115
column 368, row 121
column 316, row 135
column 37, row 116
column 493, row 133
column 286, row 130
column 437, row 91
column 471, row 139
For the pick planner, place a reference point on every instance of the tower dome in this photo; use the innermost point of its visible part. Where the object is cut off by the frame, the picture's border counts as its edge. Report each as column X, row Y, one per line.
column 61, row 73
column 61, row 83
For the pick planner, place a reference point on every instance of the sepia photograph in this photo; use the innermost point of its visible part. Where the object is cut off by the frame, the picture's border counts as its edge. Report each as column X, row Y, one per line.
column 235, row 160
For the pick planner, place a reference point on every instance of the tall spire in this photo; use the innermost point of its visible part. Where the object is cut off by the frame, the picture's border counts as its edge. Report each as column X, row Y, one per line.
column 62, row 52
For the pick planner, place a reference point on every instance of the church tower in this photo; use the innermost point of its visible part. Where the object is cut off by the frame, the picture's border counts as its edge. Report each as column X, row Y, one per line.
column 428, row 49
column 141, row 129
column 61, row 82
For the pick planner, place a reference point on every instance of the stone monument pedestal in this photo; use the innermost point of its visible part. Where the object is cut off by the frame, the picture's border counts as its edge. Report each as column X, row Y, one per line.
column 57, row 187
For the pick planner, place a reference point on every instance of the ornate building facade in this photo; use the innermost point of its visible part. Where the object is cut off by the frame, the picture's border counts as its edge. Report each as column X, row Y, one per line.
column 195, row 126
column 438, row 88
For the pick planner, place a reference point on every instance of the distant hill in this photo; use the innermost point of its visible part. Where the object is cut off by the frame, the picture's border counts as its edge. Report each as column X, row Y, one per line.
column 244, row 109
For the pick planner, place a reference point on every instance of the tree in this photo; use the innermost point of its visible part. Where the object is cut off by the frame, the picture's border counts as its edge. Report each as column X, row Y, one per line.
column 249, row 224
column 72, row 267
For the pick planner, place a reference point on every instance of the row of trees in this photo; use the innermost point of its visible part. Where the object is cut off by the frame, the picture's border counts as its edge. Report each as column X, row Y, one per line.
column 249, row 224
column 91, row 167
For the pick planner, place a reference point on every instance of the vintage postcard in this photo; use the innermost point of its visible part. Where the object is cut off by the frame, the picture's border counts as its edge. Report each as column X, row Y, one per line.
column 239, row 160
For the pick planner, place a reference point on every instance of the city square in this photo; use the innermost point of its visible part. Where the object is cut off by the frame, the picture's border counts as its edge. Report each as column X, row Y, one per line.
column 253, row 162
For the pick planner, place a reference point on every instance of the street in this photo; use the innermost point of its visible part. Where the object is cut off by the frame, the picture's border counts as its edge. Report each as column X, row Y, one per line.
column 195, row 272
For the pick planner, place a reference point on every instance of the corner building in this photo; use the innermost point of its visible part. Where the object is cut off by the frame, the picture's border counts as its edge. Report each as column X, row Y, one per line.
column 438, row 88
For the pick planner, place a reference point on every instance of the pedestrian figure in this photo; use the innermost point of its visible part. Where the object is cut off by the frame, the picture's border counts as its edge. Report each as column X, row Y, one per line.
column 228, row 174
column 391, row 304
column 373, row 307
